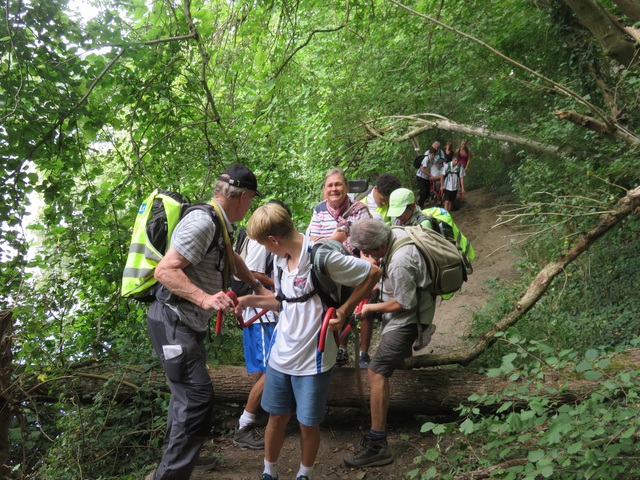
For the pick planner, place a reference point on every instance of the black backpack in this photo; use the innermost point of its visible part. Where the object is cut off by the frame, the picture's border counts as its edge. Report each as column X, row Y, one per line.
column 157, row 217
column 237, row 286
column 417, row 162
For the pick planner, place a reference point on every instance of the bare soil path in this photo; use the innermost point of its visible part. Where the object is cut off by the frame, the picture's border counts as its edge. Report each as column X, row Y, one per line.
column 343, row 428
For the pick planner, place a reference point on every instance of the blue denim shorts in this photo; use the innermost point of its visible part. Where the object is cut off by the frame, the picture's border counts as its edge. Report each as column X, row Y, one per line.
column 306, row 395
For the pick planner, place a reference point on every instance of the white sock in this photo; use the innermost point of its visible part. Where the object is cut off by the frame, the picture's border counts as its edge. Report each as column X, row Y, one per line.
column 247, row 419
column 305, row 471
column 271, row 468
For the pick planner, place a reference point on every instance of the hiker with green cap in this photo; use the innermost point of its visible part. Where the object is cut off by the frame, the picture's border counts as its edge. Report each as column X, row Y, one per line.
column 403, row 210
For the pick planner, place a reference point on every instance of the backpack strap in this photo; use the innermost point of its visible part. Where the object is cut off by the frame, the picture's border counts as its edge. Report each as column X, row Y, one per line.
column 227, row 240
column 303, row 298
column 322, row 264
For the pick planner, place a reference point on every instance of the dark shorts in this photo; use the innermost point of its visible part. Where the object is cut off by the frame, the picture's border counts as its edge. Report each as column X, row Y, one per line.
column 394, row 347
column 450, row 195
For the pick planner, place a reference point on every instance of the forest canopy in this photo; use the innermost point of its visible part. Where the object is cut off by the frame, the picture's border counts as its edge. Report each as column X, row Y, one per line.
column 97, row 111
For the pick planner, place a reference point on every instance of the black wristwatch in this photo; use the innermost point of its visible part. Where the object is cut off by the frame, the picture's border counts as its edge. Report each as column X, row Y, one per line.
column 257, row 284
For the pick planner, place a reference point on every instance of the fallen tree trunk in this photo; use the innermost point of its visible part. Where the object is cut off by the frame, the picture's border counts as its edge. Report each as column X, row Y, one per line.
column 432, row 391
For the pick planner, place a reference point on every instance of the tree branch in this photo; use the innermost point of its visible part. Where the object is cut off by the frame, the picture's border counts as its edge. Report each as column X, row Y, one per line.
column 625, row 206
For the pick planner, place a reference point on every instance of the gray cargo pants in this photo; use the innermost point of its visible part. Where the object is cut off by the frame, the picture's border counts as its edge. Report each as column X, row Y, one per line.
column 191, row 403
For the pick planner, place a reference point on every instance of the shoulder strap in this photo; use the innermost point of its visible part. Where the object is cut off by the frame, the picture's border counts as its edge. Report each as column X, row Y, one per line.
column 362, row 195
column 326, row 298
column 303, row 298
column 214, row 219
column 227, row 241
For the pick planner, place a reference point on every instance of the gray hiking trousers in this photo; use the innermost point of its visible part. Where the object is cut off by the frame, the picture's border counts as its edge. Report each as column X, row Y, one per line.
column 181, row 351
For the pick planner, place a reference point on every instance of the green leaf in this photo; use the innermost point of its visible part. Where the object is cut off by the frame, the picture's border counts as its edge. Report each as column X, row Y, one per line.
column 590, row 355
column 467, row 427
column 535, row 455
column 592, row 375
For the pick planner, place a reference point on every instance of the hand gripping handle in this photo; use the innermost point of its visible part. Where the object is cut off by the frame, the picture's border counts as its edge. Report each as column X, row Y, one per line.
column 233, row 297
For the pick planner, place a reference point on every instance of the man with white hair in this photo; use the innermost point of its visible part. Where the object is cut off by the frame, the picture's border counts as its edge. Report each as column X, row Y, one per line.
column 404, row 303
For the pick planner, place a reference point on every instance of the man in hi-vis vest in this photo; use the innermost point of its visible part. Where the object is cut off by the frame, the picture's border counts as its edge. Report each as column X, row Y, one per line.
column 191, row 278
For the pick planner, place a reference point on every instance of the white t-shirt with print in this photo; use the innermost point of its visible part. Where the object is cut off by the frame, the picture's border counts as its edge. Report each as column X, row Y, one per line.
column 295, row 342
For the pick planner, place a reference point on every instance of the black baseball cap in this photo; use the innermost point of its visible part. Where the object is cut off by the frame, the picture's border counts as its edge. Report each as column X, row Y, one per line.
column 240, row 176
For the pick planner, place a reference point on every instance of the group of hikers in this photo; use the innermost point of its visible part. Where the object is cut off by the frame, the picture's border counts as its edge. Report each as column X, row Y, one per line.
column 276, row 264
column 441, row 173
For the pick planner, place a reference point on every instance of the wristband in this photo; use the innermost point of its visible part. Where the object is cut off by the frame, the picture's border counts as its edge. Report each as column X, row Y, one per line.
column 257, row 284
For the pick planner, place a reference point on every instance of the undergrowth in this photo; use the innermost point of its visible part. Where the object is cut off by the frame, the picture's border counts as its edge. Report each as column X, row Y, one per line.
column 535, row 428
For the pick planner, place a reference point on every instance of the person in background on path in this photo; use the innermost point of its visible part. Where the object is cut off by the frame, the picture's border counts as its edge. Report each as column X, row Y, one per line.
column 298, row 375
column 423, row 177
column 439, row 152
column 437, row 175
column 378, row 198
column 190, row 278
column 464, row 155
column 405, row 302
column 256, row 340
column 332, row 219
column 402, row 208
column 453, row 175
column 448, row 152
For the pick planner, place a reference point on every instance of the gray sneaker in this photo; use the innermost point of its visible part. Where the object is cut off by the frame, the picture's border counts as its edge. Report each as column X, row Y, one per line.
column 249, row 437
column 374, row 453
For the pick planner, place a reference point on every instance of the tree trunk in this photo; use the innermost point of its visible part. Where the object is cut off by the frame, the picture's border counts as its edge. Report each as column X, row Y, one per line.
column 5, row 380
column 607, row 32
column 432, row 391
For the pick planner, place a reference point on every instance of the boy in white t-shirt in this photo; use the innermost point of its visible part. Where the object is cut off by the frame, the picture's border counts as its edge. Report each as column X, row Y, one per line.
column 298, row 375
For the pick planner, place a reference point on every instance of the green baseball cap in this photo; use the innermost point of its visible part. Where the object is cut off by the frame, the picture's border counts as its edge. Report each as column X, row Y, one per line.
column 399, row 200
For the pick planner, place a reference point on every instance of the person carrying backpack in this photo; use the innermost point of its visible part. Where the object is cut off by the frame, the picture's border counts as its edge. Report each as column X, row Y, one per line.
column 256, row 341
column 403, row 209
column 453, row 175
column 298, row 374
column 377, row 198
column 405, row 301
column 190, row 277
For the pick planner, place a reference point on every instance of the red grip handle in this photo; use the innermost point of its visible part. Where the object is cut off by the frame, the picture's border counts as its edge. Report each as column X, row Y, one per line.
column 325, row 326
column 233, row 297
column 244, row 324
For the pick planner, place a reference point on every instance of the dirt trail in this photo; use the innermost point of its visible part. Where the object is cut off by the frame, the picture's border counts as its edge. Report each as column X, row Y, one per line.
column 494, row 259
column 342, row 430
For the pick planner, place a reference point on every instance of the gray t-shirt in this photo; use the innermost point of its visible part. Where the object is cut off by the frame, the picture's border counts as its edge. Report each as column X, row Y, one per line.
column 406, row 280
column 191, row 238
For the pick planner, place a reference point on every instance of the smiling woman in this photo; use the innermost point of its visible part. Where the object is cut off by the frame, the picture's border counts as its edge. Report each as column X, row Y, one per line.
column 333, row 217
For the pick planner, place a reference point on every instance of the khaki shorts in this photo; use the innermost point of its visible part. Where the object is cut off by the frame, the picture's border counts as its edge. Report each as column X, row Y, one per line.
column 394, row 347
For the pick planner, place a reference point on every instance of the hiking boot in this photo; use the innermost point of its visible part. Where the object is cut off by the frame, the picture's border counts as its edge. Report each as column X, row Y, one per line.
column 266, row 476
column 365, row 359
column 342, row 357
column 248, row 437
column 204, row 464
column 374, row 453
column 424, row 338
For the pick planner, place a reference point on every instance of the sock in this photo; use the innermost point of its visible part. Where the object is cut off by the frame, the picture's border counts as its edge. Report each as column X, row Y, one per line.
column 305, row 471
column 377, row 434
column 247, row 419
column 271, row 468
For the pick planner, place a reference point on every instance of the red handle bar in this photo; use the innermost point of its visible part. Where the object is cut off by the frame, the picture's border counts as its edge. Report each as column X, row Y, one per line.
column 345, row 331
column 233, row 297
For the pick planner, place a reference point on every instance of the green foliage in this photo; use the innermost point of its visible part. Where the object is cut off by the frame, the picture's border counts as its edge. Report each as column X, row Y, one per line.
column 525, row 432
column 98, row 112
